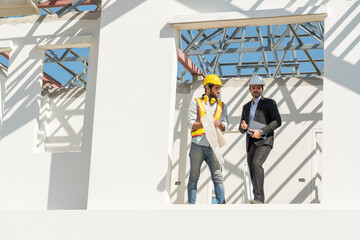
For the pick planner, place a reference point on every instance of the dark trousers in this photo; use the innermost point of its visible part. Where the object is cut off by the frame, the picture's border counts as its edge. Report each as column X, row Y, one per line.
column 256, row 157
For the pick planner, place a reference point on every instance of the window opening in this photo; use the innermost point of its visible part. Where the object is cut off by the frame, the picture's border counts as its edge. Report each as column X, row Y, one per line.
column 4, row 65
column 271, row 51
column 290, row 57
column 63, row 99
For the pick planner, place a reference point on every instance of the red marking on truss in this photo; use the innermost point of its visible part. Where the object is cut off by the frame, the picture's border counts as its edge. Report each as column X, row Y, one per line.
column 188, row 64
column 46, row 77
column 5, row 54
column 60, row 3
column 54, row 83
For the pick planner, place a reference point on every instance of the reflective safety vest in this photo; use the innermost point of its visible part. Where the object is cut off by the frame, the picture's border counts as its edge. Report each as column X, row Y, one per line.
column 201, row 111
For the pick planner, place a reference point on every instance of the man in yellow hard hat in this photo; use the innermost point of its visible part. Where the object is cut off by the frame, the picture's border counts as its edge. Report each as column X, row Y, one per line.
column 200, row 148
column 260, row 117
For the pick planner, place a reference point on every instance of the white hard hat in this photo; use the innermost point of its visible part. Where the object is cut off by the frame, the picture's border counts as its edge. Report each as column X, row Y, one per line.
column 256, row 80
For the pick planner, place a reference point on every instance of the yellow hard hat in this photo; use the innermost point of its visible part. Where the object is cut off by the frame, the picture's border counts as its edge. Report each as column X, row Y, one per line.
column 212, row 79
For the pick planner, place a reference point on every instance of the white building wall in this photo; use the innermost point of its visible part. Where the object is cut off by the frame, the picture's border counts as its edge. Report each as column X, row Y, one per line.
column 3, row 77
column 62, row 120
column 30, row 177
column 129, row 156
column 341, row 96
column 144, row 147
column 61, row 133
column 276, row 222
column 132, row 121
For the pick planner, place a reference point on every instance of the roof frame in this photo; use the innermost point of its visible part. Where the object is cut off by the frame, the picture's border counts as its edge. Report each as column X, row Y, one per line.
column 271, row 41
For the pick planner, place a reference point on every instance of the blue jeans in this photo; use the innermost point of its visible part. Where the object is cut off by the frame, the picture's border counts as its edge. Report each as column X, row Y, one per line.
column 198, row 154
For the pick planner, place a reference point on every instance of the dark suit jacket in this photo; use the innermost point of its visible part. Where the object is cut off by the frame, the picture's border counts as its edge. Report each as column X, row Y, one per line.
column 266, row 113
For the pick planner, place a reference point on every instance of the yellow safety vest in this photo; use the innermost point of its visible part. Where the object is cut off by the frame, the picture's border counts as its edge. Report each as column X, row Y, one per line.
column 201, row 111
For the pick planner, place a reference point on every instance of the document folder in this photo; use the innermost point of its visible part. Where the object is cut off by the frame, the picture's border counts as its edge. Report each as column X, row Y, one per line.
column 254, row 125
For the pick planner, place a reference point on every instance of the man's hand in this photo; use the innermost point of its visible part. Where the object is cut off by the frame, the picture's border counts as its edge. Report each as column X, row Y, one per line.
column 197, row 126
column 256, row 134
column 216, row 123
column 244, row 125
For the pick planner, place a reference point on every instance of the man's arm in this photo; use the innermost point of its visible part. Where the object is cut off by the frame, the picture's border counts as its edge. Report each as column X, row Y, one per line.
column 197, row 125
column 192, row 116
column 224, row 121
column 243, row 125
column 275, row 118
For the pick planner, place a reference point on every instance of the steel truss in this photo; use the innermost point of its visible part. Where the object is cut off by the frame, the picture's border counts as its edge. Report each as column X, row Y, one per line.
column 282, row 50
column 66, row 5
column 77, row 79
column 52, row 57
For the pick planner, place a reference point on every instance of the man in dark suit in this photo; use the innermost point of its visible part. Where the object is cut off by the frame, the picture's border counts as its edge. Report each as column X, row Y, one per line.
column 259, row 142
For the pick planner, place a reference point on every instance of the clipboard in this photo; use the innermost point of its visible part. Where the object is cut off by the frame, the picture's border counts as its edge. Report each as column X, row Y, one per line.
column 254, row 125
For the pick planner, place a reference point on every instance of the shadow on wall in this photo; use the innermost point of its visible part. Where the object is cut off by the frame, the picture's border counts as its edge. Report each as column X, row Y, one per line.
column 69, row 173
column 62, row 120
column 300, row 105
column 297, row 116
column 231, row 5
column 61, row 133
column 180, row 134
column 112, row 10
column 341, row 46
column 340, row 52
column 69, row 180
column 28, row 90
column 3, row 77
column 211, row 5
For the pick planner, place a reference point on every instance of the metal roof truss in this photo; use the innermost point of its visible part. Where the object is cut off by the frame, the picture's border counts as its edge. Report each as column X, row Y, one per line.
column 277, row 47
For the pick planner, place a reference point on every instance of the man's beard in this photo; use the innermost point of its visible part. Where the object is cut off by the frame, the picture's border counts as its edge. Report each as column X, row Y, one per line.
column 213, row 95
column 255, row 96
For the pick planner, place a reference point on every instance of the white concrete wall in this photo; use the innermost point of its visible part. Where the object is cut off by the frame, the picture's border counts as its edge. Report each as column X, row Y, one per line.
column 139, row 158
column 129, row 156
column 3, row 77
column 30, row 178
column 278, row 222
column 341, row 96
column 62, row 120
column 132, row 121
column 300, row 105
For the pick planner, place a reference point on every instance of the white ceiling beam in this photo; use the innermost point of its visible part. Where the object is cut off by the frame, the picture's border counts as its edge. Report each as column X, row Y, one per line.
column 18, row 8
column 249, row 18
